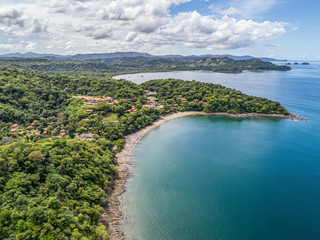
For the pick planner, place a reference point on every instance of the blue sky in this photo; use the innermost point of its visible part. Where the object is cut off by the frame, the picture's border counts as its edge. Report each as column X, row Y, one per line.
column 262, row 28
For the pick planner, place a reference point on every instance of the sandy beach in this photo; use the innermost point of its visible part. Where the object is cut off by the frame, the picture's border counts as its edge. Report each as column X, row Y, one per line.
column 113, row 217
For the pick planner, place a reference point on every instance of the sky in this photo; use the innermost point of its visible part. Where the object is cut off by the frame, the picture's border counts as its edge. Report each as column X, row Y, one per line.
column 282, row 29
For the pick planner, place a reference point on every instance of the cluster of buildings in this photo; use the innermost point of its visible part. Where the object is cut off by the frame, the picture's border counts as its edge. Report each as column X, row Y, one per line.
column 15, row 128
column 95, row 100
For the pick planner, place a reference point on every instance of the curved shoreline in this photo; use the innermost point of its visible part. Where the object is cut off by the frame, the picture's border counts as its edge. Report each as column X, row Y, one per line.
column 113, row 217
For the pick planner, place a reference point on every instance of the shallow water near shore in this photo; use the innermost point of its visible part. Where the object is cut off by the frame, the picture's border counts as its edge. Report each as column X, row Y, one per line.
column 204, row 177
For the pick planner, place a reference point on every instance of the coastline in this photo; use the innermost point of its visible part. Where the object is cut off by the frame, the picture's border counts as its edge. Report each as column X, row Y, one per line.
column 113, row 216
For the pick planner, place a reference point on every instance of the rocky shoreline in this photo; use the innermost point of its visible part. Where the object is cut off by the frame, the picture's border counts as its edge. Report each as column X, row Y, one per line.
column 113, row 216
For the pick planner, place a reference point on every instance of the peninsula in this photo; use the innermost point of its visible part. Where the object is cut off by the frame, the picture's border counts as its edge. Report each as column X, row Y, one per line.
column 62, row 138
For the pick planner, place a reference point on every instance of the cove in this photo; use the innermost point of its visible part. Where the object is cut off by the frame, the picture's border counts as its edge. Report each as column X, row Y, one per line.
column 221, row 178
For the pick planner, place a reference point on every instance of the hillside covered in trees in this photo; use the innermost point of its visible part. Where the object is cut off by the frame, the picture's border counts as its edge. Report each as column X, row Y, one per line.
column 104, row 67
column 59, row 135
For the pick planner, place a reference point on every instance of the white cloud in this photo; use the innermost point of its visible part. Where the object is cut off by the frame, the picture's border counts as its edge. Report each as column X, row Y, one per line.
column 194, row 30
column 11, row 17
column 245, row 8
column 121, row 25
column 31, row 46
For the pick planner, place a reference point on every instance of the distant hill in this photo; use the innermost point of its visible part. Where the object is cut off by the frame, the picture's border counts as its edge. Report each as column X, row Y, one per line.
column 109, row 55
column 29, row 55
column 82, row 57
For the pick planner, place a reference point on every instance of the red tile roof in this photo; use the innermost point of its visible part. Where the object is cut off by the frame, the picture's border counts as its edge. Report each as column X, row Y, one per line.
column 148, row 106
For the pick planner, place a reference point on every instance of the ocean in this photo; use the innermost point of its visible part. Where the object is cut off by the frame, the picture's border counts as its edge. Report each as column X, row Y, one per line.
column 216, row 178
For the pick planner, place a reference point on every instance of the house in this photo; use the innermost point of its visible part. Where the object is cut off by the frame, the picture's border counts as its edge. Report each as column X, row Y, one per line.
column 13, row 130
column 86, row 119
column 152, row 93
column 87, row 136
column 204, row 103
column 109, row 99
column 21, row 132
column 151, row 102
column 37, row 133
column 149, row 106
column 89, row 110
column 15, row 125
column 94, row 99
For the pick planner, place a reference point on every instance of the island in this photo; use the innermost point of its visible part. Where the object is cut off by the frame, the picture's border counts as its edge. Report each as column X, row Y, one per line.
column 61, row 137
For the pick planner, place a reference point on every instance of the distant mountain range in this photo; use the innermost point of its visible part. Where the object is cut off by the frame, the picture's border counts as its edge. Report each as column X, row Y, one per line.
column 82, row 57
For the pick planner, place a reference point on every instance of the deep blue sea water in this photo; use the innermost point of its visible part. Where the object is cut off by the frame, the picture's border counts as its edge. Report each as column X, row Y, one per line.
column 203, row 178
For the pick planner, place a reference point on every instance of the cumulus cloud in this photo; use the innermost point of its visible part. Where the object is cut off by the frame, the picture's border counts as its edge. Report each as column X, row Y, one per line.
column 194, row 30
column 115, row 25
column 11, row 17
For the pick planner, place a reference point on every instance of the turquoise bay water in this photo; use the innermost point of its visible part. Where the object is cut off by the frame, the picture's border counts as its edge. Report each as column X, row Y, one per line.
column 219, row 178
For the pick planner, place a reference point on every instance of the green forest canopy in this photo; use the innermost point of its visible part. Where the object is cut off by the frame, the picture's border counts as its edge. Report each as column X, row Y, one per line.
column 54, row 183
